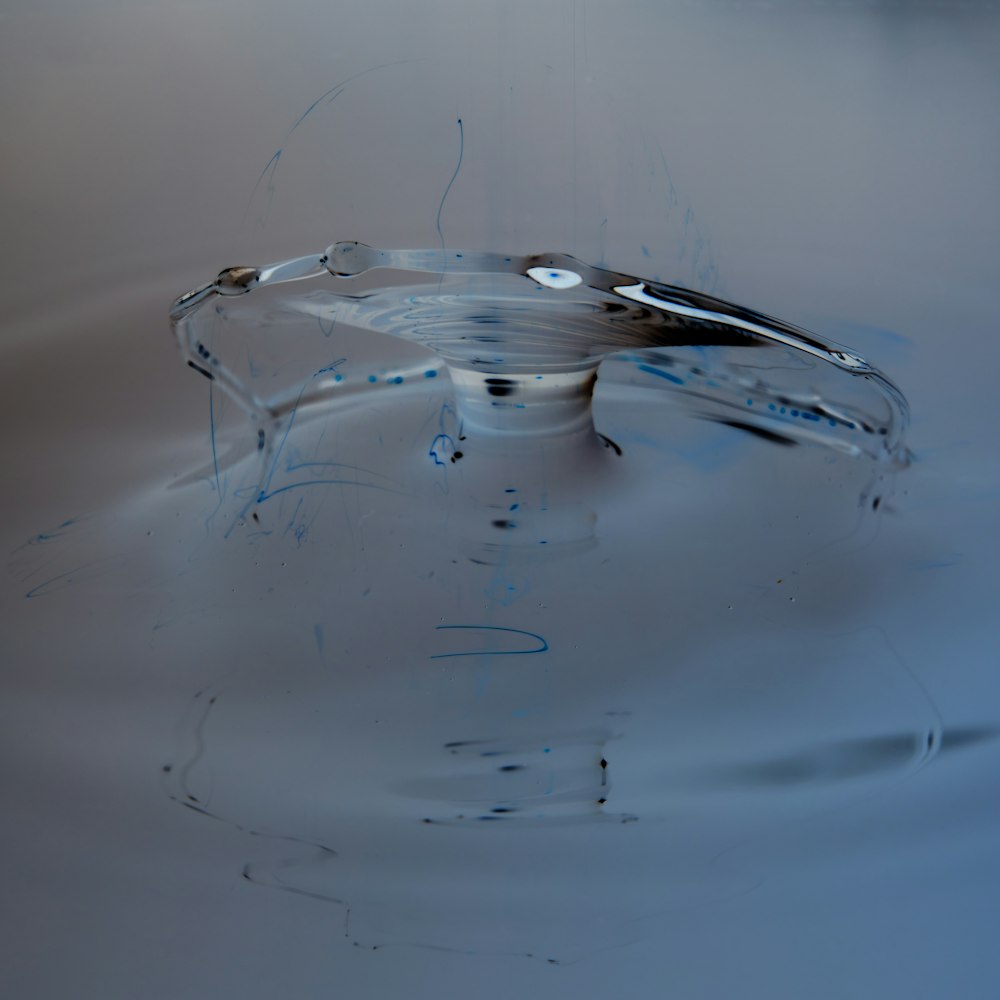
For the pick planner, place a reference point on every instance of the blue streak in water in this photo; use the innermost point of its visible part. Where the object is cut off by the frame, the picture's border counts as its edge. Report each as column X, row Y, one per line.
column 262, row 496
column 331, row 368
column 253, row 369
column 40, row 589
column 458, row 166
column 47, row 536
column 490, row 652
column 318, row 633
column 211, row 421
column 281, row 444
column 271, row 167
column 67, row 579
column 215, row 459
column 659, row 373
column 294, row 467
column 291, row 523
column 440, row 442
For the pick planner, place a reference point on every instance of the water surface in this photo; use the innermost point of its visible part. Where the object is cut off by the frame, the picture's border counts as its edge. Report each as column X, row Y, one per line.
column 731, row 729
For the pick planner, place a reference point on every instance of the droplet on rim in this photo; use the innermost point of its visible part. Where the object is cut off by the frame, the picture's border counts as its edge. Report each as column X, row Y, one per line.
column 554, row 277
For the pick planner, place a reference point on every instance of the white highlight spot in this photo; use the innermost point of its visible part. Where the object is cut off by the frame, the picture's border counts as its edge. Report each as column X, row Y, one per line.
column 554, row 277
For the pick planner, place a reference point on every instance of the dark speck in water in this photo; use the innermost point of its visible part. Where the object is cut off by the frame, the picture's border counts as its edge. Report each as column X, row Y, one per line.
column 608, row 443
column 763, row 433
column 499, row 386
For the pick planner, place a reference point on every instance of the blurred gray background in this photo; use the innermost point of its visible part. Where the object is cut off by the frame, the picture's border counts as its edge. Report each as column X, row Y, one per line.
column 834, row 164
